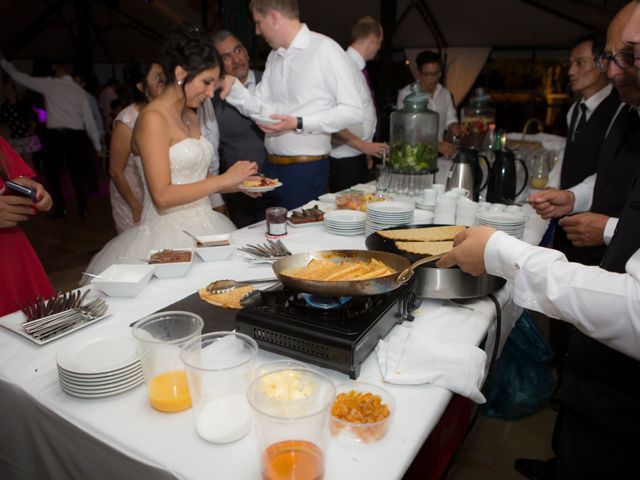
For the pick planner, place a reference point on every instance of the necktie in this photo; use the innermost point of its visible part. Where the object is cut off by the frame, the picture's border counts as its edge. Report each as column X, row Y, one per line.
column 582, row 121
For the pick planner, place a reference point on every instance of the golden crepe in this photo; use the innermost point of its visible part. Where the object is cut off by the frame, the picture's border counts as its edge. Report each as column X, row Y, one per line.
column 230, row 299
column 426, row 234
column 425, row 248
column 325, row 270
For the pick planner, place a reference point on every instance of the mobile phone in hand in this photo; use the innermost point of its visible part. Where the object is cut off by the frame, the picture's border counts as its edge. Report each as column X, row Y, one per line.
column 22, row 190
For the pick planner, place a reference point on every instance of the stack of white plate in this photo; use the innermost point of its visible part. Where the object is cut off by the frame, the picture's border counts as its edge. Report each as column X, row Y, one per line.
column 99, row 366
column 509, row 222
column 381, row 215
column 345, row 222
column 422, row 217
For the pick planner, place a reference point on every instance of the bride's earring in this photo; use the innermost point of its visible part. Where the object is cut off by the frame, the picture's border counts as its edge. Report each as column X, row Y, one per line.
column 179, row 82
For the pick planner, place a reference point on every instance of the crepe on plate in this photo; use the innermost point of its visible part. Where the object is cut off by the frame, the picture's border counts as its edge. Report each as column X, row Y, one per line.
column 230, row 299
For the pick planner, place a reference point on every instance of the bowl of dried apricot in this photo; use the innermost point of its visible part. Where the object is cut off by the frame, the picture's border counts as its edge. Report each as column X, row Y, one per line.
column 361, row 412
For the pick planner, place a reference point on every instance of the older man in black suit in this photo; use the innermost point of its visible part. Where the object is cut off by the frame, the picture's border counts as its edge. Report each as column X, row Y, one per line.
column 240, row 138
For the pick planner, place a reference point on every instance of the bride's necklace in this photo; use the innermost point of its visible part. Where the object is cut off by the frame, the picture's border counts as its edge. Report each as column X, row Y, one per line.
column 185, row 124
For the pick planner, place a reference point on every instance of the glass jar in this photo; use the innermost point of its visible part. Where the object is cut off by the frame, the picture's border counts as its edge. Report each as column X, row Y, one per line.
column 414, row 135
column 476, row 119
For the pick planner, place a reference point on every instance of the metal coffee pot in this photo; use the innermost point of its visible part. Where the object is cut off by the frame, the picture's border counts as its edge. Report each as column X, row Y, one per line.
column 501, row 186
column 467, row 173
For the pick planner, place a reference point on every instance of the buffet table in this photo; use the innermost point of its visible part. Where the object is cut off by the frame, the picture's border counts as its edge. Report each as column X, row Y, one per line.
column 48, row 434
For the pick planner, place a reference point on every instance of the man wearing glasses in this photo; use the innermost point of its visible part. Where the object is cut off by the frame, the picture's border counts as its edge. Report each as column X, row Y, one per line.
column 429, row 73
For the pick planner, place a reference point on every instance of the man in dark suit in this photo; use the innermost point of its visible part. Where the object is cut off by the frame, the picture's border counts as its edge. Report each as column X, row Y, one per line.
column 240, row 137
column 588, row 121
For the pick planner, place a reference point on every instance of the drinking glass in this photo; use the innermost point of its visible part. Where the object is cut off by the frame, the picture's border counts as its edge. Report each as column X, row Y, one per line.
column 383, row 178
column 539, row 171
column 276, row 219
column 220, row 367
column 291, row 406
column 159, row 338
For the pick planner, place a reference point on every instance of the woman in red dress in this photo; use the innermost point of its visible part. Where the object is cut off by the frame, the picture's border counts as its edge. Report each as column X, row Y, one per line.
column 22, row 277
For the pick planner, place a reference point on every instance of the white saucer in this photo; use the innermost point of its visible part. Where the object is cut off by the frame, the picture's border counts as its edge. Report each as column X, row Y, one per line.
column 256, row 117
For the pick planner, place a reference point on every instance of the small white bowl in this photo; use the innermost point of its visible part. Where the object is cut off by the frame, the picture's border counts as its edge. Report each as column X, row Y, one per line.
column 172, row 269
column 212, row 254
column 124, row 280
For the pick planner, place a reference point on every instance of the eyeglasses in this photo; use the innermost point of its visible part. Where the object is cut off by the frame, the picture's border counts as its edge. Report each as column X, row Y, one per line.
column 623, row 60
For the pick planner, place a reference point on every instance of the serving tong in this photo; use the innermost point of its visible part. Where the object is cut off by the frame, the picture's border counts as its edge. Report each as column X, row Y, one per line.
column 272, row 249
column 226, row 285
column 58, row 322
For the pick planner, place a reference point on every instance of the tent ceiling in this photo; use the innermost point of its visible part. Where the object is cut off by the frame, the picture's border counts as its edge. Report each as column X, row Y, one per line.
column 134, row 28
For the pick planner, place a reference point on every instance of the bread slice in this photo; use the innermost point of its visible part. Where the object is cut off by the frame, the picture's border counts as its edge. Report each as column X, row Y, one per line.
column 425, row 248
column 229, row 299
column 425, row 234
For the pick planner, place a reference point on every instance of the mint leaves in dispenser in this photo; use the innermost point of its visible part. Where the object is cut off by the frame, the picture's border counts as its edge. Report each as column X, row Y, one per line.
column 414, row 135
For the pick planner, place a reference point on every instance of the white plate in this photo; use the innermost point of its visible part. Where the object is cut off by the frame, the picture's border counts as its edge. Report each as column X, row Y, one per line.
column 14, row 322
column 386, row 208
column 345, row 216
column 266, row 188
column 308, row 224
column 256, row 117
column 104, row 388
column 100, row 354
column 89, row 380
column 99, row 395
column 328, row 197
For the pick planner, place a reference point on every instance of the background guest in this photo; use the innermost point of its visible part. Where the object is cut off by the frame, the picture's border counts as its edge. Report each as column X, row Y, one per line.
column 23, row 278
column 21, row 120
column 240, row 138
column 351, row 157
column 430, row 69
column 146, row 81
column 68, row 118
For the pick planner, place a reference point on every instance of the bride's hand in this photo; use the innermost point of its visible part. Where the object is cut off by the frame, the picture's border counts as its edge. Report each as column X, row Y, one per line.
column 239, row 172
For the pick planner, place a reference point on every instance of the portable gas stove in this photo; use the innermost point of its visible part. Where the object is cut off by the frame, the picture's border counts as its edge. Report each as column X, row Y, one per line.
column 337, row 333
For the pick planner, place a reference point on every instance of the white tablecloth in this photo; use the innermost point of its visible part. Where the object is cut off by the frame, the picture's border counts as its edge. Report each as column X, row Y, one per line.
column 48, row 434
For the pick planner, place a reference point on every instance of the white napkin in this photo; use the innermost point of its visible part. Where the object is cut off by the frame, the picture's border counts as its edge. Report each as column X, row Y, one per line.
column 410, row 356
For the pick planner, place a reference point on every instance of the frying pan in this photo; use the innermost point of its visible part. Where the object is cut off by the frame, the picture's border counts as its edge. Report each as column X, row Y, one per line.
column 374, row 286
column 434, row 282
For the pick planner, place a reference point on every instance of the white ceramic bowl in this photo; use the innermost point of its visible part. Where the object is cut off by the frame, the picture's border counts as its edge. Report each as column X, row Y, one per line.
column 173, row 269
column 212, row 254
column 124, row 280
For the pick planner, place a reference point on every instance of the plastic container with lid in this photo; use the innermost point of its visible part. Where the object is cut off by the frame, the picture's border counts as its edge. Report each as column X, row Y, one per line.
column 414, row 135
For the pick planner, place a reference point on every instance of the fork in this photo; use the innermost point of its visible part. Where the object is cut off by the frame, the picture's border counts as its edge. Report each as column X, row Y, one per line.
column 270, row 249
column 53, row 324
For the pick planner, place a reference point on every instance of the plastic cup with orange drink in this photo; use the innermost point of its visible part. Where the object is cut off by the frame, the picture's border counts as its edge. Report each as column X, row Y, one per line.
column 159, row 338
column 291, row 408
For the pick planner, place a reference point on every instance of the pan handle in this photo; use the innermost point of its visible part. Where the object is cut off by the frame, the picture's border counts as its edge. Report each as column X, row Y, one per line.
column 407, row 273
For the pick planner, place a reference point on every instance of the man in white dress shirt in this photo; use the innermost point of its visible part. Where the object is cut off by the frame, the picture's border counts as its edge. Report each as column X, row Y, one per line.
column 430, row 68
column 353, row 148
column 68, row 116
column 309, row 87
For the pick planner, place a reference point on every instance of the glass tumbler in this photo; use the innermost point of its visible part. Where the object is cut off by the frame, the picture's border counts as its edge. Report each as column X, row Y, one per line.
column 292, row 407
column 276, row 218
column 159, row 338
column 220, row 367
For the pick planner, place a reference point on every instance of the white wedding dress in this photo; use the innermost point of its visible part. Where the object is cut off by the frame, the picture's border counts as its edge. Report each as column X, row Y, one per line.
column 190, row 159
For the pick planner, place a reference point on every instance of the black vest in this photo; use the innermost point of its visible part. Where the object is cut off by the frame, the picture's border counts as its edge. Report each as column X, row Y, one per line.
column 240, row 137
column 599, row 382
column 581, row 157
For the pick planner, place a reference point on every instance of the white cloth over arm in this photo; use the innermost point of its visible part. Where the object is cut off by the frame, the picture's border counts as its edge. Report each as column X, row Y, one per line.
column 603, row 305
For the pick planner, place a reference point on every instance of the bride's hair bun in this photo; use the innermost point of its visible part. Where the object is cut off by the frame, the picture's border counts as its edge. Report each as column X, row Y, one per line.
column 189, row 48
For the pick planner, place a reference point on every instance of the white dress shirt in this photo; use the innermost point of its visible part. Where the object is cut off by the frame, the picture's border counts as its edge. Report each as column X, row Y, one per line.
column 591, row 103
column 313, row 79
column 583, row 193
column 440, row 102
column 367, row 127
column 250, row 84
column 66, row 102
column 603, row 305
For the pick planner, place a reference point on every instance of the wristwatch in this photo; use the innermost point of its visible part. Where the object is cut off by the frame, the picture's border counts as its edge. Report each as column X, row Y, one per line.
column 299, row 125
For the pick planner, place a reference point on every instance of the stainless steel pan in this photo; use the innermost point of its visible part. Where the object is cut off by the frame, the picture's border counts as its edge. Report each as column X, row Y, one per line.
column 372, row 286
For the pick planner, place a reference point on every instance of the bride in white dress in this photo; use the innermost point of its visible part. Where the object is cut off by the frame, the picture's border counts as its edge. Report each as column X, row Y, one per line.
column 175, row 158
